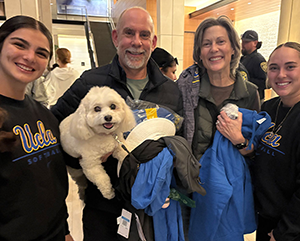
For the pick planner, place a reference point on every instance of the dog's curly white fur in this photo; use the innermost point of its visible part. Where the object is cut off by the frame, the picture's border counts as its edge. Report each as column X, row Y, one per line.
column 89, row 133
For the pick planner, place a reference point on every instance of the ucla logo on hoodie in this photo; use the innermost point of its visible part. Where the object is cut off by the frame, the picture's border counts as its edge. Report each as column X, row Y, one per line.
column 270, row 138
column 39, row 145
column 33, row 142
column 270, row 142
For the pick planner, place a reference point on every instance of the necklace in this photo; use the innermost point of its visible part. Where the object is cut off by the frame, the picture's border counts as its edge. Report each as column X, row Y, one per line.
column 275, row 130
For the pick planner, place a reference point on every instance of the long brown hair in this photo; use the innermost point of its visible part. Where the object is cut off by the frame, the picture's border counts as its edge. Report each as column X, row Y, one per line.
column 8, row 140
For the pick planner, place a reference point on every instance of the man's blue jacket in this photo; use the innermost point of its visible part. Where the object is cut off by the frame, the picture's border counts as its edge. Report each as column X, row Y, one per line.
column 149, row 192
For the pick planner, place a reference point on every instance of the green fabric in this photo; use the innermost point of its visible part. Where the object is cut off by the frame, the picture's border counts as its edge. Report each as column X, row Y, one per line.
column 178, row 196
column 136, row 86
column 242, row 95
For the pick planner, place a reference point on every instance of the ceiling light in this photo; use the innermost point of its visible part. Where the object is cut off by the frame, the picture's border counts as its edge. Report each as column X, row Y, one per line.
column 232, row 9
column 249, row 2
column 215, row 5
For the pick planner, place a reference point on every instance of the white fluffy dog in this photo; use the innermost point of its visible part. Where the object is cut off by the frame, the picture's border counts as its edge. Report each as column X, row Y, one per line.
column 90, row 133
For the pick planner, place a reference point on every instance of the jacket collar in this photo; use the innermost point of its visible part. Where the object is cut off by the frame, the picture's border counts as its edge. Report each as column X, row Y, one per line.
column 191, row 79
column 250, row 55
column 116, row 71
column 240, row 89
column 254, row 52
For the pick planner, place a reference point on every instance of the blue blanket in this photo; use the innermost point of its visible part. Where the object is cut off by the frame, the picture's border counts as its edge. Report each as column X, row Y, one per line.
column 226, row 213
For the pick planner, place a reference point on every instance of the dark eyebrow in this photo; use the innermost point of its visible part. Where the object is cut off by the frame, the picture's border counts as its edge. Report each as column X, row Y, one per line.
column 291, row 62
column 272, row 64
column 27, row 43
column 20, row 39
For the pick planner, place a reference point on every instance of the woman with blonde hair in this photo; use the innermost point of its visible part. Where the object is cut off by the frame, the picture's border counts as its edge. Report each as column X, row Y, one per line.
column 60, row 78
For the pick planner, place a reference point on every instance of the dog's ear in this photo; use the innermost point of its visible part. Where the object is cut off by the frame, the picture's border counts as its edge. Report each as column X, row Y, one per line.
column 79, row 127
column 129, row 121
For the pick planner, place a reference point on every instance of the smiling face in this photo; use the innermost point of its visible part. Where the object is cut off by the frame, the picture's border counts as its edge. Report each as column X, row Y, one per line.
column 216, row 50
column 23, row 59
column 134, row 39
column 284, row 74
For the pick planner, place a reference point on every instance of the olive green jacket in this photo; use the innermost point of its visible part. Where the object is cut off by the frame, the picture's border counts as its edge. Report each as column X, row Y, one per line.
column 200, row 111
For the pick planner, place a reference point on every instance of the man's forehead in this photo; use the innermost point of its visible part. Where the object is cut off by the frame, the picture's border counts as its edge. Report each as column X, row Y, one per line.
column 135, row 13
column 135, row 18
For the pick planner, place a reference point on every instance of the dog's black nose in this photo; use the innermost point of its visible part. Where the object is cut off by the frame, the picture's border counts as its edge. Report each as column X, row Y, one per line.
column 108, row 118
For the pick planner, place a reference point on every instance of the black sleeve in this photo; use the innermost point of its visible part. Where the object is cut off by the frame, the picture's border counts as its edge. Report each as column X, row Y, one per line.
column 243, row 71
column 288, row 227
column 70, row 100
column 259, row 75
column 67, row 231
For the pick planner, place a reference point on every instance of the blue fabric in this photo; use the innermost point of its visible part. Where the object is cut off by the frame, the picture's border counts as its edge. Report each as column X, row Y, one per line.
column 149, row 192
column 226, row 213
column 152, row 183
column 168, row 223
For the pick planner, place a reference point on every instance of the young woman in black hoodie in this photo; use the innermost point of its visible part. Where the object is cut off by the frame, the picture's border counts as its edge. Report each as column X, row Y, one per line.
column 277, row 161
column 33, row 177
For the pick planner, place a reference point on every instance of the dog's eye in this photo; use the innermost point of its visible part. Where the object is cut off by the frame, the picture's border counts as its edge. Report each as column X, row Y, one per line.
column 113, row 106
column 97, row 109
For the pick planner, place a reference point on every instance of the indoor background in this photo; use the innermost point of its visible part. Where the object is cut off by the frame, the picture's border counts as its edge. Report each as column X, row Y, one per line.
column 176, row 21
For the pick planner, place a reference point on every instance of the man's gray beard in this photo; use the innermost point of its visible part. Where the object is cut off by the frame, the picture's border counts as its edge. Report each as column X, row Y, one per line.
column 131, row 64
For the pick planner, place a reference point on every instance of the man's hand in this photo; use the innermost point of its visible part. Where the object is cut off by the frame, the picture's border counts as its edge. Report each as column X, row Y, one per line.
column 271, row 235
column 104, row 158
column 69, row 238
